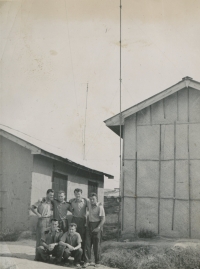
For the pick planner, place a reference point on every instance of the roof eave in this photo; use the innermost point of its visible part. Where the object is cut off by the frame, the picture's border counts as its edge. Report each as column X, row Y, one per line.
column 114, row 122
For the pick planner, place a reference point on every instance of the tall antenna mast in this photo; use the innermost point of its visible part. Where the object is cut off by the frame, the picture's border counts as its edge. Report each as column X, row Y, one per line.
column 120, row 107
column 85, row 124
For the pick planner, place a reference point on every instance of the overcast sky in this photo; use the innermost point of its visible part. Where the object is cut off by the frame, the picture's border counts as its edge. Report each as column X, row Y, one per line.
column 51, row 49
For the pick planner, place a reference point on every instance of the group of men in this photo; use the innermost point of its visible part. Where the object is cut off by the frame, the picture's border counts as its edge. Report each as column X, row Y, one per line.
column 56, row 237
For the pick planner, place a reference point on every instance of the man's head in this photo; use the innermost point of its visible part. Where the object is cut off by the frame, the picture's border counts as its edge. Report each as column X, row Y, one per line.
column 78, row 193
column 54, row 224
column 50, row 194
column 72, row 228
column 93, row 198
column 61, row 196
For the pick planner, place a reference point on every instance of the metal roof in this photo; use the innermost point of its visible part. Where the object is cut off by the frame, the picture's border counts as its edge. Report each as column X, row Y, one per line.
column 36, row 150
column 114, row 122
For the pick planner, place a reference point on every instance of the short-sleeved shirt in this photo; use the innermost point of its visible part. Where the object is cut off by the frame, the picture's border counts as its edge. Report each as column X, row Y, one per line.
column 78, row 208
column 60, row 209
column 50, row 237
column 44, row 207
column 73, row 240
column 95, row 212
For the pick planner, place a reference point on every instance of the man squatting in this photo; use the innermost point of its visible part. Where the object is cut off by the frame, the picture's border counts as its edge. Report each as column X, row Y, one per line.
column 54, row 235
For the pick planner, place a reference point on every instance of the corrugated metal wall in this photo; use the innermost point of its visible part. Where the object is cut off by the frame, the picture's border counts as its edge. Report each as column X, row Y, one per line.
column 161, row 172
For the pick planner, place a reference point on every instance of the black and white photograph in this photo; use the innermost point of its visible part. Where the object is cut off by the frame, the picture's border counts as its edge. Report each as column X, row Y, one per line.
column 100, row 134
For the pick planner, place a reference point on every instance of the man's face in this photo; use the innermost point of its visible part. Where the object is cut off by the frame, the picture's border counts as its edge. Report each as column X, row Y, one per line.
column 61, row 197
column 54, row 225
column 93, row 200
column 78, row 195
column 50, row 195
column 72, row 230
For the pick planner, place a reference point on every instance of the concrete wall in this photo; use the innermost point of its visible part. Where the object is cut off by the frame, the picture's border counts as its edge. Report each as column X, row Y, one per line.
column 16, row 170
column 161, row 162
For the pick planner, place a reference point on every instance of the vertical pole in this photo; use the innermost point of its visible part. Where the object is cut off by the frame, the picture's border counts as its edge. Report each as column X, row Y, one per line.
column 85, row 124
column 120, row 106
column 189, row 177
column 159, row 182
column 136, row 173
column 174, row 193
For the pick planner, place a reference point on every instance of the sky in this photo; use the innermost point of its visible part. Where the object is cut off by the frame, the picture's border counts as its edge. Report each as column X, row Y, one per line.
column 51, row 49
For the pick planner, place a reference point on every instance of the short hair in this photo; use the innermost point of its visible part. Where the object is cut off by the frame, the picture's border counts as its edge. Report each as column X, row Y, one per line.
column 50, row 190
column 54, row 220
column 73, row 225
column 93, row 194
column 61, row 191
column 78, row 190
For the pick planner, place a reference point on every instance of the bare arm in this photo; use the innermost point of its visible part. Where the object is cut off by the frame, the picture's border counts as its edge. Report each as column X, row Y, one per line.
column 61, row 243
column 34, row 210
column 77, row 247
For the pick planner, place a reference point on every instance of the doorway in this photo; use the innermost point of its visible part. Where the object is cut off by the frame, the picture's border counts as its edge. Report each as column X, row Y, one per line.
column 59, row 183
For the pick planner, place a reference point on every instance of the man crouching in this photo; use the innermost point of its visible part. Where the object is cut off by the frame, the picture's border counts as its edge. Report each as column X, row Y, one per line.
column 49, row 242
column 70, row 245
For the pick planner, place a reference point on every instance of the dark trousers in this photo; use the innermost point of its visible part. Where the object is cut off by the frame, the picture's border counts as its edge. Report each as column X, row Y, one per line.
column 81, row 229
column 63, row 225
column 93, row 239
column 42, row 224
column 43, row 254
column 66, row 253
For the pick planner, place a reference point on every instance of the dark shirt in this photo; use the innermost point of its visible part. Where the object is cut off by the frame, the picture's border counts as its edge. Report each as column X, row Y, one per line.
column 73, row 240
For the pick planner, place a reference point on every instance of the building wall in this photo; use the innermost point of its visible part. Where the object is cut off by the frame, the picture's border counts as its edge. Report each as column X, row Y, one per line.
column 162, row 167
column 16, row 169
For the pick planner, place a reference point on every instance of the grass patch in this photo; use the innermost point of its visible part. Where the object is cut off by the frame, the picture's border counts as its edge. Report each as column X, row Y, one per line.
column 127, row 256
column 146, row 234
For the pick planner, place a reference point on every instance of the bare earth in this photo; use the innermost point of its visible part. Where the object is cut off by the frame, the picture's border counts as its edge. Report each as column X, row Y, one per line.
column 20, row 255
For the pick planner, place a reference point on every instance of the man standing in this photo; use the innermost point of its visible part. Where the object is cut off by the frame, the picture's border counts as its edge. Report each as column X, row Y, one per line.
column 79, row 211
column 49, row 242
column 70, row 245
column 43, row 209
column 60, row 208
column 94, row 230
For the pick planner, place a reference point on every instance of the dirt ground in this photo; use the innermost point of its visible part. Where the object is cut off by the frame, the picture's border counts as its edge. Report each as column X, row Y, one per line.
column 20, row 254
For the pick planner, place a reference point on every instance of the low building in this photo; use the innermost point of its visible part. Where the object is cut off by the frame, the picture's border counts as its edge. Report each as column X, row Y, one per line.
column 160, row 186
column 27, row 171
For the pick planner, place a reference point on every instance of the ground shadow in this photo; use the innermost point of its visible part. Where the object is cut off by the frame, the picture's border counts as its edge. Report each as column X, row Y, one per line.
column 18, row 255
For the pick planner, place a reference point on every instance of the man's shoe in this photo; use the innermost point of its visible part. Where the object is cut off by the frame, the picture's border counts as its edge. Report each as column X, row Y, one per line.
column 77, row 265
column 97, row 265
column 85, row 265
column 92, row 264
